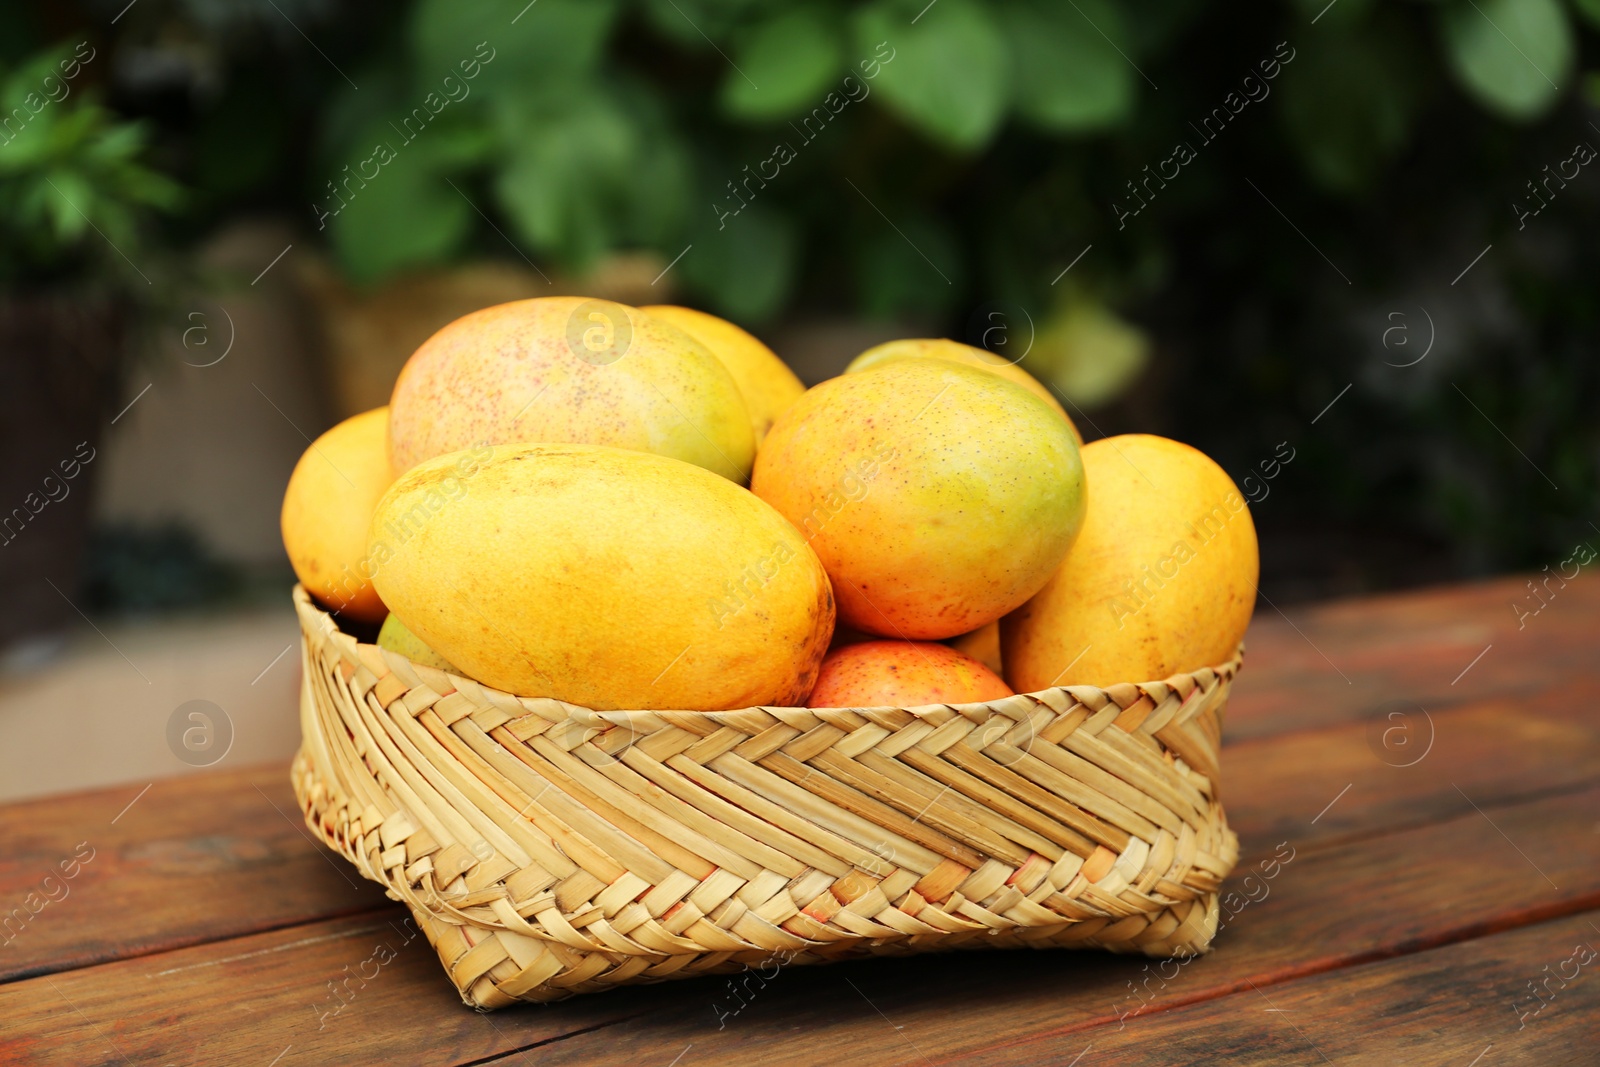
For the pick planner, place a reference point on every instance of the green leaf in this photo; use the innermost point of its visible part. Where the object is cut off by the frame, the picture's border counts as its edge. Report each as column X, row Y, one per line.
column 589, row 167
column 785, row 65
column 67, row 170
column 405, row 216
column 549, row 42
column 695, row 24
column 1346, row 107
column 658, row 188
column 1512, row 55
column 746, row 267
column 1068, row 76
column 564, row 185
column 945, row 73
column 68, row 203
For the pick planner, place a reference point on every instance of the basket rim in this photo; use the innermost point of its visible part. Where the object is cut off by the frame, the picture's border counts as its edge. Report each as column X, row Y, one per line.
column 318, row 620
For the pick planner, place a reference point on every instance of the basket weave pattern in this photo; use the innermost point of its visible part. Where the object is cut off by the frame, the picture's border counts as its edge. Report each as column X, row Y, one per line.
column 547, row 849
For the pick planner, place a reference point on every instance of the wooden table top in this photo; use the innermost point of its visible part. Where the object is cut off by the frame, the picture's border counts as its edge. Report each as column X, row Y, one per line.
column 1415, row 780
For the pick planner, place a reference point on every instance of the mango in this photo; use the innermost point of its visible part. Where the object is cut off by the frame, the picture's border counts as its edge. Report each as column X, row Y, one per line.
column 983, row 645
column 765, row 381
column 396, row 637
column 567, row 369
column 604, row 577
column 902, row 674
column 326, row 511
column 967, row 355
column 1162, row 578
column 938, row 496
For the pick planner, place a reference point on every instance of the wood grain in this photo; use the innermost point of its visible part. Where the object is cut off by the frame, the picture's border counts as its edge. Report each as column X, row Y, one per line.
column 1456, row 1006
column 1326, row 908
column 193, row 859
column 1326, row 663
column 1325, row 911
column 255, row 998
column 189, row 847
column 1377, row 776
column 207, row 928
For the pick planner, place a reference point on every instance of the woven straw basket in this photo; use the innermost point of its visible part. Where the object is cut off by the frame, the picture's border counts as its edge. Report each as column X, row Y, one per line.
column 547, row 849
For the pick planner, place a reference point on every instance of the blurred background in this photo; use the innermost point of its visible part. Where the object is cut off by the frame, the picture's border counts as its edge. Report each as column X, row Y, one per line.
column 1348, row 249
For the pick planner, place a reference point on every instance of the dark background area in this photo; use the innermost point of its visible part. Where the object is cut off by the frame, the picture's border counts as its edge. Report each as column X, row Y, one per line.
column 1344, row 274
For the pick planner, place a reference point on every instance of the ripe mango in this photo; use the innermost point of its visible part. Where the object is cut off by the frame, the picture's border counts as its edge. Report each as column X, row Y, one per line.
column 956, row 352
column 567, row 369
column 939, row 497
column 765, row 381
column 327, row 509
column 607, row 578
column 1162, row 578
column 902, row 674
column 983, row 645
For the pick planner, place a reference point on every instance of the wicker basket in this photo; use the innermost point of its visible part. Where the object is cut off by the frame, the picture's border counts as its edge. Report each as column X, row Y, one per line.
column 547, row 849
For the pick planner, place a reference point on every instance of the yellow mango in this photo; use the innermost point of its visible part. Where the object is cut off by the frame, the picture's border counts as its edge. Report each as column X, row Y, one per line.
column 396, row 637
column 327, row 509
column 1162, row 578
column 765, row 381
column 607, row 578
column 939, row 497
column 983, row 645
column 569, row 369
column 956, row 352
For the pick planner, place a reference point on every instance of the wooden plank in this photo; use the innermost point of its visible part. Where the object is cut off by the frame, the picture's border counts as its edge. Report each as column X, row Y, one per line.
column 192, row 859
column 1463, row 1004
column 1360, row 778
column 1333, row 662
column 347, row 991
column 262, row 994
column 197, row 870
column 1327, row 909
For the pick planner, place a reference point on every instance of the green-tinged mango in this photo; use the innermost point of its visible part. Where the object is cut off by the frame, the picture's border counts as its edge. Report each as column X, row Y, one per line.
column 396, row 637
column 938, row 496
column 967, row 356
column 765, row 381
column 568, row 369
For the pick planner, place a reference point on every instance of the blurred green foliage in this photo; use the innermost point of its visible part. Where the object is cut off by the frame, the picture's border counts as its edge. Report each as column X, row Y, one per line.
column 958, row 180
column 75, row 189
column 604, row 124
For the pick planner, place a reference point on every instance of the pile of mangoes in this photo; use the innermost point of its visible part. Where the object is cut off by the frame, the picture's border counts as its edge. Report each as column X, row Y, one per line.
column 644, row 508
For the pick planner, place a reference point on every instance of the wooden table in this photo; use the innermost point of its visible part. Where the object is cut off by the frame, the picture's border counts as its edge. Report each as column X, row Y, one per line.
column 1415, row 781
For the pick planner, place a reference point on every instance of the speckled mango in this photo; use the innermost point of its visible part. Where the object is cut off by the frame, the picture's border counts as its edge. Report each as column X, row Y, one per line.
column 569, row 369
column 1162, row 579
column 939, row 497
column 608, row 578
column 966, row 355
column 983, row 645
column 903, row 674
column 765, row 381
